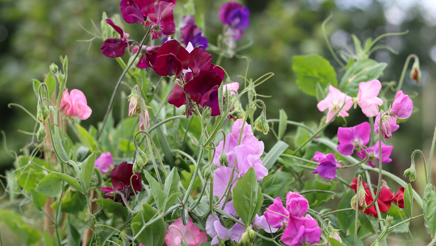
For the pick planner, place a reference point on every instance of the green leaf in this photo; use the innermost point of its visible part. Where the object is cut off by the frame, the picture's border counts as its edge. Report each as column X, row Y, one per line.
column 365, row 222
column 349, row 241
column 301, row 136
column 408, row 199
column 277, row 184
column 171, row 188
column 153, row 234
column 319, row 92
column 274, row 154
column 361, row 71
column 116, row 208
column 57, row 142
column 73, row 236
column 48, row 240
column 26, row 234
column 50, row 185
column 248, row 197
column 28, row 174
column 346, row 218
column 317, row 199
column 87, row 139
column 51, row 84
column 72, row 181
column 311, row 70
column 87, row 170
column 73, row 202
column 38, row 199
column 334, row 242
column 399, row 216
column 36, row 84
column 157, row 191
column 126, row 146
column 429, row 208
column 282, row 124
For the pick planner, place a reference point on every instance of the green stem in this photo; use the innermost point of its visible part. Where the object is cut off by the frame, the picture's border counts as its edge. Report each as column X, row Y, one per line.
column 336, row 211
column 24, row 109
column 290, row 122
column 327, row 41
column 423, row 160
column 431, row 156
column 406, row 64
column 194, row 176
column 356, row 219
column 380, row 169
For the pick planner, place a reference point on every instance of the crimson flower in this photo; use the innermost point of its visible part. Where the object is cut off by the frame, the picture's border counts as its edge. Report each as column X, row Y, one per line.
column 124, row 181
column 399, row 198
column 171, row 59
column 148, row 56
column 115, row 47
column 384, row 199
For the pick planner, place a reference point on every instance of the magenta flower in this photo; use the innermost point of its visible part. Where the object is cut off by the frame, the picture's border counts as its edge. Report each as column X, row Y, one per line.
column 276, row 215
column 103, row 162
column 236, row 16
column 191, row 33
column 115, row 47
column 296, row 204
column 388, row 125
column 327, row 165
column 352, row 138
column 221, row 179
column 162, row 18
column 171, row 59
column 136, row 11
column 334, row 101
column 148, row 56
column 75, row 105
column 374, row 154
column 189, row 235
column 246, row 158
column 367, row 97
column 402, row 107
column 301, row 231
column 232, row 88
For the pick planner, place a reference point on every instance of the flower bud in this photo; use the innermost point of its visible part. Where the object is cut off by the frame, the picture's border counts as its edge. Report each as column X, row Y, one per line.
column 206, row 171
column 42, row 113
column 237, row 114
column 223, row 159
column 358, row 201
column 246, row 239
column 40, row 135
column 410, row 173
column 134, row 105
column 261, row 124
column 415, row 73
column 61, row 79
column 54, row 68
column 140, row 161
column 251, row 234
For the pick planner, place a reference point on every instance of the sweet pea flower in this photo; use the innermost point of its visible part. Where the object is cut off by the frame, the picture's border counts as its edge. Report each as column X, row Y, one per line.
column 260, row 223
column 189, row 235
column 388, row 125
column 163, row 18
column 402, row 107
column 75, row 105
column 296, row 204
column 352, row 138
column 191, row 33
column 384, row 199
column 141, row 121
column 334, row 101
column 221, row 179
column 246, row 158
column 103, row 162
column 398, row 199
column 215, row 230
column 148, row 56
column 232, row 88
column 236, row 16
column 301, row 231
column 171, row 59
column 115, row 47
column 374, row 154
column 327, row 165
column 367, row 97
column 276, row 215
column 368, row 197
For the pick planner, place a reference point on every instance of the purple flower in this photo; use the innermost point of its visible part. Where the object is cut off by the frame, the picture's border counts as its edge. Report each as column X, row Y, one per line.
column 388, row 125
column 351, row 138
column 191, row 33
column 260, row 223
column 246, row 158
column 221, row 179
column 327, row 165
column 402, row 107
column 103, row 162
column 236, row 16
column 301, row 231
column 115, row 47
column 374, row 153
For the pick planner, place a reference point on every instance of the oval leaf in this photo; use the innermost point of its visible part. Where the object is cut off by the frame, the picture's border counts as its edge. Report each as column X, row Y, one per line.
column 247, row 202
column 153, row 234
column 50, row 185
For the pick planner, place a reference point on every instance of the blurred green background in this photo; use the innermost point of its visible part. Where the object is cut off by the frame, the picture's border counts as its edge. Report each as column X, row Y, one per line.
column 33, row 34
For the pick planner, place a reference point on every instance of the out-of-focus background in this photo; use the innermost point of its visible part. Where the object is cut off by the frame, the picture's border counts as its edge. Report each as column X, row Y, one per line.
column 33, row 34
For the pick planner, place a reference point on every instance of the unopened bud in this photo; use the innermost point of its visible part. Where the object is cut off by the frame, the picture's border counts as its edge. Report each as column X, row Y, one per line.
column 61, row 78
column 237, row 114
column 140, row 161
column 206, row 171
column 54, row 68
column 246, row 239
column 40, row 135
column 261, row 124
column 223, row 159
column 251, row 234
column 410, row 173
column 134, row 105
column 415, row 73
column 42, row 113
column 389, row 220
column 358, row 200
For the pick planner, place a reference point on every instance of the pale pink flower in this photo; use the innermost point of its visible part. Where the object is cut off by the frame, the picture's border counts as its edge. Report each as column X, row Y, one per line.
column 367, row 97
column 232, row 87
column 147, row 121
column 75, row 105
column 103, row 162
column 190, row 235
column 334, row 101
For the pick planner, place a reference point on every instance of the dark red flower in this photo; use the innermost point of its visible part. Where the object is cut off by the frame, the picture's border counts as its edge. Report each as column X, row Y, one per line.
column 148, row 56
column 171, row 59
column 203, row 90
column 399, row 198
column 384, row 199
column 115, row 47
column 123, row 179
column 136, row 11
column 163, row 18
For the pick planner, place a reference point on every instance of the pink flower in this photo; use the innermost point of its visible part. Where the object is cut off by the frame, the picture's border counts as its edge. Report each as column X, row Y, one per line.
column 232, row 87
column 75, row 105
column 301, row 231
column 402, row 106
column 141, row 121
column 296, row 204
column 334, row 101
column 276, row 215
column 246, row 157
column 215, row 230
column 103, row 162
column 327, row 165
column 388, row 125
column 190, row 235
column 367, row 97
column 221, row 179
column 374, row 153
column 352, row 138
